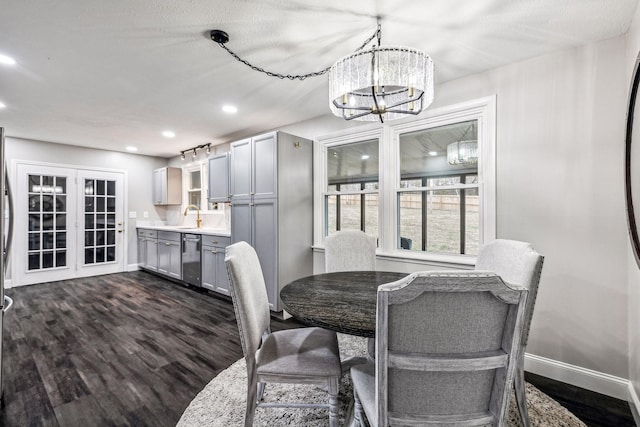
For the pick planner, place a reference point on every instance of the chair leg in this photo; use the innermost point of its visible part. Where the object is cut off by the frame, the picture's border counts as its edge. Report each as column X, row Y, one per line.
column 357, row 416
column 261, row 387
column 521, row 398
column 334, row 402
column 252, row 389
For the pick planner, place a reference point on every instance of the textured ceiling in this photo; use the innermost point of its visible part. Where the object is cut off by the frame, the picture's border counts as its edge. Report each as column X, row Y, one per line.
column 108, row 74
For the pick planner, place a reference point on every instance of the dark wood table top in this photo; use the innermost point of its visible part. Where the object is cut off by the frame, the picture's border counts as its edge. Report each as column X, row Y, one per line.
column 343, row 302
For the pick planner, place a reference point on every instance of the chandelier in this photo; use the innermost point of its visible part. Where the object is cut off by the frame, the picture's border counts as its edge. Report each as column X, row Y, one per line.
column 384, row 82
column 462, row 152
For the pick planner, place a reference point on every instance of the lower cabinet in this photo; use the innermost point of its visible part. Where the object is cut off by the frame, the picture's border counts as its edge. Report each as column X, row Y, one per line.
column 161, row 252
column 214, row 272
column 148, row 249
column 169, row 254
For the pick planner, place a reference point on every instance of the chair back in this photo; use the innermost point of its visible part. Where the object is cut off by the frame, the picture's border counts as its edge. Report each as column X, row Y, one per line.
column 249, row 295
column 446, row 348
column 516, row 263
column 351, row 250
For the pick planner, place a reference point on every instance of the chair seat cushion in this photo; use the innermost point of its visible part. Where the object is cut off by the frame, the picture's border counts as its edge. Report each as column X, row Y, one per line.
column 364, row 384
column 304, row 352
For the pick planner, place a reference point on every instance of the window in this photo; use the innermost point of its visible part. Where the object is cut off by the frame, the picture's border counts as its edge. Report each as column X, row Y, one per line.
column 194, row 191
column 195, row 186
column 351, row 199
column 425, row 187
column 437, row 202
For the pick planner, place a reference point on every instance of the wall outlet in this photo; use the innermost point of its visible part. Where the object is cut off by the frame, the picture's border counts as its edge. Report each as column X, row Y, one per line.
column 133, row 214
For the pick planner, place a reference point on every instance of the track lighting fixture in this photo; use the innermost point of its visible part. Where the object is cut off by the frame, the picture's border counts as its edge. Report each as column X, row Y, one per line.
column 195, row 149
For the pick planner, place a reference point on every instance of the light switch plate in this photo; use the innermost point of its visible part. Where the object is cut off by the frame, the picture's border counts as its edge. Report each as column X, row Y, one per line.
column 145, row 214
column 133, row 214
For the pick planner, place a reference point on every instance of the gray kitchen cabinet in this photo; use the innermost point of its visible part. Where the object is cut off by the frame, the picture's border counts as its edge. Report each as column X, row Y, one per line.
column 167, row 186
column 240, row 170
column 214, row 272
column 219, row 178
column 271, row 206
column 148, row 249
column 170, row 254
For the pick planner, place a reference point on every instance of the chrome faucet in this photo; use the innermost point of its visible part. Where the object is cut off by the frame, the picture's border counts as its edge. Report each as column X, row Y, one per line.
column 198, row 220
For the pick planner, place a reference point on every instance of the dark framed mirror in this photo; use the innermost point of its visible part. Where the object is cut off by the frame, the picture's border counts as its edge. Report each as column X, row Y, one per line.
column 632, row 163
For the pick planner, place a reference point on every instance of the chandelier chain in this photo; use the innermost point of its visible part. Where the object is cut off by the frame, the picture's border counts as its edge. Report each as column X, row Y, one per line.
column 377, row 34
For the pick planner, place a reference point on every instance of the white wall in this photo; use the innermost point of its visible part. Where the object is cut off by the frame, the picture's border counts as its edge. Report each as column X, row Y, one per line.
column 633, row 47
column 560, row 128
column 139, row 174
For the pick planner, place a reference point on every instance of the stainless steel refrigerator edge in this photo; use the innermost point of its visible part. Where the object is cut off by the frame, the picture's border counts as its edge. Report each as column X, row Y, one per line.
column 5, row 245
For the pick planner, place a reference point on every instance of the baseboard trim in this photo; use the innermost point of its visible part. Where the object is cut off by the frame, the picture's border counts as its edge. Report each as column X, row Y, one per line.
column 8, row 283
column 634, row 403
column 599, row 382
column 133, row 267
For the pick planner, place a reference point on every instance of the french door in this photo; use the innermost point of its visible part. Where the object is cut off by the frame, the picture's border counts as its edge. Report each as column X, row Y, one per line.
column 69, row 223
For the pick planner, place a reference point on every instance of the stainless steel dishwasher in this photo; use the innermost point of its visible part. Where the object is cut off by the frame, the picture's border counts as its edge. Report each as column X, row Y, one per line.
column 191, row 264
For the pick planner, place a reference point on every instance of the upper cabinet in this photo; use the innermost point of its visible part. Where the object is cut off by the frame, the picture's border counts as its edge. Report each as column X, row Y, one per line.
column 253, row 168
column 167, row 186
column 219, row 178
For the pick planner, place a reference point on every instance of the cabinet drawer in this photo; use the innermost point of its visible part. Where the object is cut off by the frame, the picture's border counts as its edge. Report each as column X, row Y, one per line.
column 169, row 235
column 222, row 241
column 143, row 232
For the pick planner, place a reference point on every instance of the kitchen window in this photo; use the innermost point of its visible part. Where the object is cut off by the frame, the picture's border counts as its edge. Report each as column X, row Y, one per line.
column 196, row 187
column 425, row 188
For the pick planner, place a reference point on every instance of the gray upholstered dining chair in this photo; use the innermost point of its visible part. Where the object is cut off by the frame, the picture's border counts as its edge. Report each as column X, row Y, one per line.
column 519, row 264
column 350, row 250
column 302, row 356
column 446, row 349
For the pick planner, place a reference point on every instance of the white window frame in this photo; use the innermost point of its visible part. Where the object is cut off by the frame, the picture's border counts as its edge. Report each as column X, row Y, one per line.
column 204, row 184
column 483, row 110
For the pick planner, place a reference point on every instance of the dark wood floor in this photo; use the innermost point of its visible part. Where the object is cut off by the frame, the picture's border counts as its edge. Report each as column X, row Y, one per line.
column 134, row 349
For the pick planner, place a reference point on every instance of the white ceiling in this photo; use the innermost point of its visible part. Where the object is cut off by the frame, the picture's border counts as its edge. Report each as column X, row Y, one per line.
column 113, row 73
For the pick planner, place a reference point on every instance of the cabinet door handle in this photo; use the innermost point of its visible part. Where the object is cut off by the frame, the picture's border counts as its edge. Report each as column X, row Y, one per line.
column 167, row 243
column 214, row 252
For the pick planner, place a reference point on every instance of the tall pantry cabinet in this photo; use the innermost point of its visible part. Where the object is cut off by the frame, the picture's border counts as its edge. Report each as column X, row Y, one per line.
column 271, row 194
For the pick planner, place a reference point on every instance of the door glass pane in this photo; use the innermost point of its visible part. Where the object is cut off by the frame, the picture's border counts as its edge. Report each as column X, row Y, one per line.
column 34, row 203
column 99, row 217
column 47, row 222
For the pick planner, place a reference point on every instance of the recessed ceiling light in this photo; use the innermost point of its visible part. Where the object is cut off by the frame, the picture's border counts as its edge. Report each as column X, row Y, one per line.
column 433, row 153
column 365, row 156
column 168, row 134
column 2, row 105
column 6, row 60
column 229, row 109
column 131, row 148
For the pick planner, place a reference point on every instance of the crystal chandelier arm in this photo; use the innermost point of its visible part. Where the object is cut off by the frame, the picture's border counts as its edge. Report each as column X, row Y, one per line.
column 285, row 76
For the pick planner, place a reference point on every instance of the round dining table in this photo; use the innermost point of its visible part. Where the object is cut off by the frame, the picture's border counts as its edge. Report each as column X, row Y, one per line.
column 343, row 302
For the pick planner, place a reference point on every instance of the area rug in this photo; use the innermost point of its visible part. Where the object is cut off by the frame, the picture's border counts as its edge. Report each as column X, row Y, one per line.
column 222, row 401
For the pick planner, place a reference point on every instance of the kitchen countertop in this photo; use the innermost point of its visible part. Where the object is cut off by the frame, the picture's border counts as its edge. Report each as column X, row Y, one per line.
column 187, row 229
